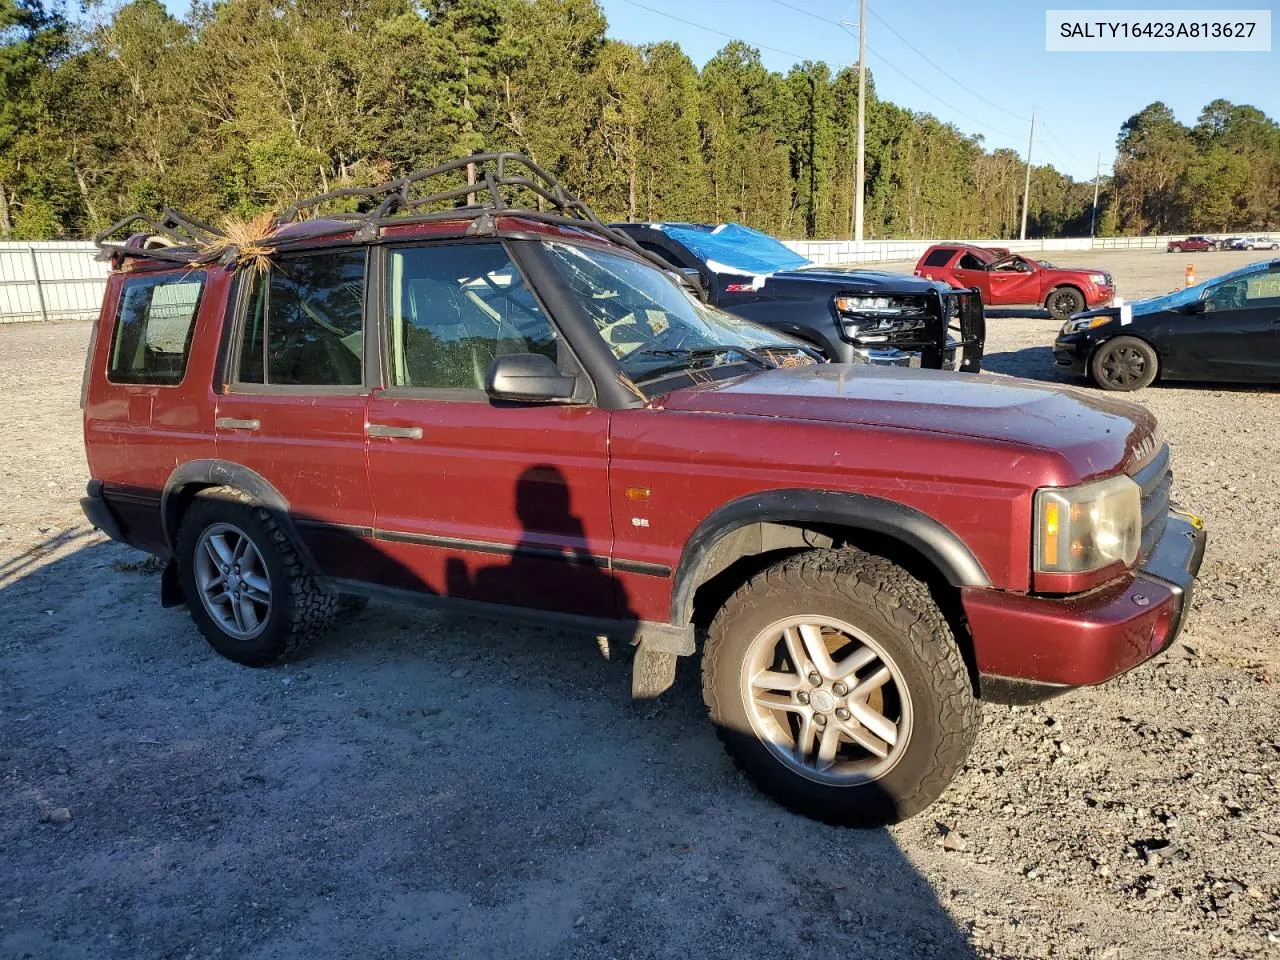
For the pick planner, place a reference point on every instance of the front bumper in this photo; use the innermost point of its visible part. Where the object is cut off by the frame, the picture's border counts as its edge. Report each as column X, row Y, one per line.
column 1063, row 642
column 1072, row 350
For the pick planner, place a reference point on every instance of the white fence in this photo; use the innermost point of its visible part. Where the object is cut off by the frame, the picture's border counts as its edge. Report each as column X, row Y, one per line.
column 64, row 281
column 50, row 281
column 872, row 251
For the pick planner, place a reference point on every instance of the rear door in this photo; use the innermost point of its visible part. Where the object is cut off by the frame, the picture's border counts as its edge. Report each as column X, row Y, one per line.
column 970, row 271
column 293, row 409
column 497, row 503
column 149, row 398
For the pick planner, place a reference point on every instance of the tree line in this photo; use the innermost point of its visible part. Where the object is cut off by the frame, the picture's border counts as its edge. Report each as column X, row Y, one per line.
column 247, row 105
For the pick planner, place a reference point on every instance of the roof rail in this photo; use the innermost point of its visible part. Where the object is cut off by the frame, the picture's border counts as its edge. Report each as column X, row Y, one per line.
column 495, row 185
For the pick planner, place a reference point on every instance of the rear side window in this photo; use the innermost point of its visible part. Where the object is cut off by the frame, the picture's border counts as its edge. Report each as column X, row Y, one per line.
column 305, row 322
column 938, row 258
column 970, row 262
column 152, row 337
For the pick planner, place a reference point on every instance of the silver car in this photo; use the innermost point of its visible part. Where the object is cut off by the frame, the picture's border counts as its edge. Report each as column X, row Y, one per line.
column 1256, row 243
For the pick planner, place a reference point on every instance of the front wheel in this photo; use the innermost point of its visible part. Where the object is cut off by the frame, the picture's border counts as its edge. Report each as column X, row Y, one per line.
column 1124, row 363
column 836, row 684
column 1064, row 302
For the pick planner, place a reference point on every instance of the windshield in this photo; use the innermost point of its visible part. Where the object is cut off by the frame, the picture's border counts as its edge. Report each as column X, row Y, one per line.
column 651, row 324
column 730, row 248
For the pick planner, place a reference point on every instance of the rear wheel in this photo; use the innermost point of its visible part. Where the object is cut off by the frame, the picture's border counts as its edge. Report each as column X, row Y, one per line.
column 1063, row 302
column 1175, row 249
column 836, row 684
column 244, row 584
column 1124, row 363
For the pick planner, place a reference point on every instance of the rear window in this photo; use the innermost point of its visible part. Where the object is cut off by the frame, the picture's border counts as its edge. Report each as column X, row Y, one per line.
column 154, row 320
column 938, row 258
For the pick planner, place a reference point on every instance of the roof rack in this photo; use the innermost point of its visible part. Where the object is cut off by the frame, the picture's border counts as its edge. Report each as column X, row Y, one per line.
column 497, row 184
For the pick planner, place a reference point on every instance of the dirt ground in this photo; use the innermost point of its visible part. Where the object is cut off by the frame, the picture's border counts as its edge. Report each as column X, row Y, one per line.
column 424, row 785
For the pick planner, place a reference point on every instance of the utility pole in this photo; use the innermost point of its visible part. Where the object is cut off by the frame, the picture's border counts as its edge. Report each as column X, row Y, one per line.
column 862, row 121
column 1026, row 187
column 861, row 170
column 1093, row 217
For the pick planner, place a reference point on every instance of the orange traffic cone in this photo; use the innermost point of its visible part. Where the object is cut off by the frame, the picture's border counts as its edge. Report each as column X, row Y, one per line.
column 1191, row 275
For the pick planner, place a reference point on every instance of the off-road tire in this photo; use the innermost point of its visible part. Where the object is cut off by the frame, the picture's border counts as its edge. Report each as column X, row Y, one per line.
column 883, row 599
column 1062, row 302
column 301, row 611
column 1107, row 349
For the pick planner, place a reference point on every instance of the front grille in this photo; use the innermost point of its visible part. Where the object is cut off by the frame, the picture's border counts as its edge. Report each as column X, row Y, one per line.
column 1156, row 483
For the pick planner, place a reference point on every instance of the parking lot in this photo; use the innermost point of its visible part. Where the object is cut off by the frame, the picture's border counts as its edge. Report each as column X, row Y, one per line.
column 423, row 785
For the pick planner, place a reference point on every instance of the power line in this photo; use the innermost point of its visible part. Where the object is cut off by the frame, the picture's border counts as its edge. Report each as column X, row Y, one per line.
column 797, row 56
column 888, row 26
column 972, row 119
column 721, row 33
column 927, row 60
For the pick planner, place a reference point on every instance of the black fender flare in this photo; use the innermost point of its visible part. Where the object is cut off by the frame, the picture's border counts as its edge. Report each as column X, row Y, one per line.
column 935, row 542
column 225, row 473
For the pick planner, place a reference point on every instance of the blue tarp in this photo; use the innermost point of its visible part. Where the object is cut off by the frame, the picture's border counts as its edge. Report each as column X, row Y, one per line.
column 730, row 248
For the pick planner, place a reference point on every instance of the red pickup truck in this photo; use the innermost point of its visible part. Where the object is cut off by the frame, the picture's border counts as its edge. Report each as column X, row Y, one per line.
column 1007, row 280
column 1196, row 244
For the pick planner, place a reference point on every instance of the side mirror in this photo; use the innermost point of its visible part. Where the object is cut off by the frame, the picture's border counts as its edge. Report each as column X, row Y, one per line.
column 1197, row 306
column 528, row 378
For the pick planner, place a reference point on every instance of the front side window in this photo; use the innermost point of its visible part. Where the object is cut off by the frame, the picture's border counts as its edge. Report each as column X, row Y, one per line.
column 651, row 324
column 1241, row 292
column 452, row 309
column 305, row 322
column 154, row 321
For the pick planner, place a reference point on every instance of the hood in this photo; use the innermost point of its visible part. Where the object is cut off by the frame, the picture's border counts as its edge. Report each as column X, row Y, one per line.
column 1095, row 432
column 860, row 280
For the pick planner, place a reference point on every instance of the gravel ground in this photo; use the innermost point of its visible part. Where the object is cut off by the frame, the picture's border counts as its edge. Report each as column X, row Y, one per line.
column 424, row 784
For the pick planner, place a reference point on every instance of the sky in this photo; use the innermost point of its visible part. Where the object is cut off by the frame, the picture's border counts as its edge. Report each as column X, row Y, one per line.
column 995, row 48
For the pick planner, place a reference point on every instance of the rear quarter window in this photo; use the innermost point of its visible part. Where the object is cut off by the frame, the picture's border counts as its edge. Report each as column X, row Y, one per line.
column 938, row 258
column 152, row 337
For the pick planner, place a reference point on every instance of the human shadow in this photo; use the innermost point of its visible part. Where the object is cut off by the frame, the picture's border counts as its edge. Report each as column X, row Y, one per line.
column 480, row 799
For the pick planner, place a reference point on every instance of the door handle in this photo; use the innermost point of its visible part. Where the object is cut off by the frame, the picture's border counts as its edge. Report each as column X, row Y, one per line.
column 384, row 430
column 232, row 423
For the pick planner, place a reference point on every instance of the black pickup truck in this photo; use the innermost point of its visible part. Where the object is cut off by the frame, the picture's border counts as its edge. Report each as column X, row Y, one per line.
column 850, row 314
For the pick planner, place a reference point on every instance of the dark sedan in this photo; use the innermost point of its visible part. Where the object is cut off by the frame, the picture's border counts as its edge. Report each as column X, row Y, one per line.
column 849, row 314
column 1225, row 329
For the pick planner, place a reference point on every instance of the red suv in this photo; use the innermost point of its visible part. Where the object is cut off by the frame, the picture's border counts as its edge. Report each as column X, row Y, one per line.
column 517, row 413
column 1008, row 280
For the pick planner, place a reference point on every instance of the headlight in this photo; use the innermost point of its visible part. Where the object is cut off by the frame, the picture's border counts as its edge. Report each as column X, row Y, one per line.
column 1085, row 323
column 880, row 306
column 1085, row 528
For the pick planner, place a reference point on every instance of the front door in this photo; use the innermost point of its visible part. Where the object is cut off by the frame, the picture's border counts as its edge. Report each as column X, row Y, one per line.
column 497, row 503
column 1236, row 337
column 1014, row 281
column 293, row 410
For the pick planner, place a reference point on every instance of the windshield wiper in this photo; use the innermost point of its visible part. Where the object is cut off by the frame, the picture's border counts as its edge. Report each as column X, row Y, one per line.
column 694, row 353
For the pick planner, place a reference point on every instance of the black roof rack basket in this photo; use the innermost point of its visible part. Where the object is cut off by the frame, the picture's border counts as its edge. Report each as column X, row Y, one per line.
column 501, row 184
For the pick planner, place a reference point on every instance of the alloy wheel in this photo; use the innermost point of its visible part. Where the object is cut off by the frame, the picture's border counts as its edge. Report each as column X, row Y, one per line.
column 827, row 700
column 1123, row 366
column 232, row 580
